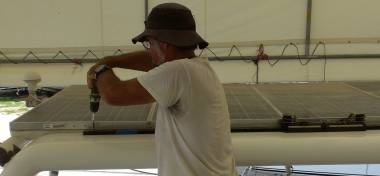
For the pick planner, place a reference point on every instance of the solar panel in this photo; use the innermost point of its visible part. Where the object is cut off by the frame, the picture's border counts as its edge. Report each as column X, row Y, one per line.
column 320, row 100
column 249, row 109
column 250, row 106
column 244, row 102
column 370, row 87
column 69, row 109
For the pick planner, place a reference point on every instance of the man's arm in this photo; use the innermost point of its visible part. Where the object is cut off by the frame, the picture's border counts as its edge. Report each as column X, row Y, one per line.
column 122, row 93
column 138, row 60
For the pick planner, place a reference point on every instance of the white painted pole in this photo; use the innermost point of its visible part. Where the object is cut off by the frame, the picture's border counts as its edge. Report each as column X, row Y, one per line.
column 77, row 152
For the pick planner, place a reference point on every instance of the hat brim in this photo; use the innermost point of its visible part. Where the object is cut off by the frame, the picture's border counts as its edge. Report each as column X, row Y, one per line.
column 180, row 38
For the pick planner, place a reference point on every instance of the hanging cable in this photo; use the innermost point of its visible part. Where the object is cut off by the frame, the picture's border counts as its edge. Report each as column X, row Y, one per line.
column 277, row 60
column 75, row 61
column 244, row 58
column 36, row 57
column 316, row 47
column 237, row 49
column 217, row 57
column 90, row 52
column 283, row 52
column 252, row 59
column 117, row 52
column 298, row 55
column 200, row 54
column 6, row 58
column 69, row 59
column 255, row 61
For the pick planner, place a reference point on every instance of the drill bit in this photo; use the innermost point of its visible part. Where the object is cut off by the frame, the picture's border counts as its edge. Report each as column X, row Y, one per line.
column 93, row 120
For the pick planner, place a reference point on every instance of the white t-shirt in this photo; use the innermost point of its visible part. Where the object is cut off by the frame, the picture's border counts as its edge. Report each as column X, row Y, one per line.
column 193, row 135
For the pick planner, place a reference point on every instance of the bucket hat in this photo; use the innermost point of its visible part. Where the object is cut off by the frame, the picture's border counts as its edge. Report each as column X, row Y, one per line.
column 172, row 23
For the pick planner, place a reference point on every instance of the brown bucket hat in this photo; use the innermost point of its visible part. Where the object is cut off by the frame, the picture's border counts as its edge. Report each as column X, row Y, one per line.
column 172, row 23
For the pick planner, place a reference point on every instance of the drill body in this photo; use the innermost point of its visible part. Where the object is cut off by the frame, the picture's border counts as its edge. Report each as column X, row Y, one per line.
column 94, row 103
column 94, row 100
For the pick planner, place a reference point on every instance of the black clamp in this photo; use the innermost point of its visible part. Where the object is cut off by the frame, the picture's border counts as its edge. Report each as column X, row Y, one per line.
column 354, row 122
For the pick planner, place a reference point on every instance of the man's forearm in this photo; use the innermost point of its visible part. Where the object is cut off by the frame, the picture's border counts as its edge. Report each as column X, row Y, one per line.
column 139, row 60
column 105, row 82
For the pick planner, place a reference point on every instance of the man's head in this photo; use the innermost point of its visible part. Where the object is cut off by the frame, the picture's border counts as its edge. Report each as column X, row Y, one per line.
column 170, row 27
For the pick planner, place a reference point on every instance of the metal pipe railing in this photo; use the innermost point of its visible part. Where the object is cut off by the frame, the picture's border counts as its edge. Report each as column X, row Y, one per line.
column 308, row 27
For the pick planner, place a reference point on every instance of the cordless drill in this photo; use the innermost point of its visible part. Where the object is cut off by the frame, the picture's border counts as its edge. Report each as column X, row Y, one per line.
column 94, row 107
column 94, row 103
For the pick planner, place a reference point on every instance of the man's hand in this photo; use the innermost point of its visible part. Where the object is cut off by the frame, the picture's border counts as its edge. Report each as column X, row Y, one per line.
column 91, row 76
column 116, row 92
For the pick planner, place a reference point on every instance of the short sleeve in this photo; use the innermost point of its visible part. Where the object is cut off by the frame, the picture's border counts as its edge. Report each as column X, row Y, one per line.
column 166, row 83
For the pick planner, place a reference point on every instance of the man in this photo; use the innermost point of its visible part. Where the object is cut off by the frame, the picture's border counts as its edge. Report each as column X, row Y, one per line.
column 193, row 126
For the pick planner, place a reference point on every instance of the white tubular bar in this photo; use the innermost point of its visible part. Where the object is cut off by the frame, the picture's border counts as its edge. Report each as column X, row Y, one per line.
column 77, row 152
